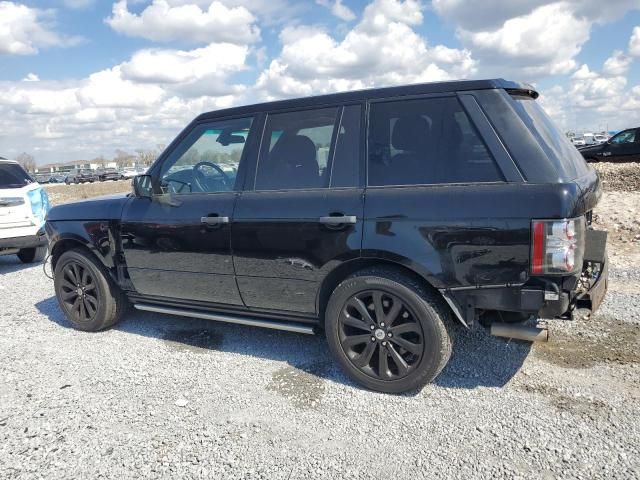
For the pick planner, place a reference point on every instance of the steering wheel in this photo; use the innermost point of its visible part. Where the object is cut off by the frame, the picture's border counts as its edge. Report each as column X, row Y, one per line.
column 200, row 179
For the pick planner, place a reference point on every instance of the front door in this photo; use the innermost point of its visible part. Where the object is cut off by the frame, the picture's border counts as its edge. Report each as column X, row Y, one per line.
column 304, row 217
column 177, row 244
column 624, row 147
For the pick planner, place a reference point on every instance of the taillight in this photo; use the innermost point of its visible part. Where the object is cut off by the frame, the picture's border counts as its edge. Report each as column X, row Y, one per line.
column 557, row 246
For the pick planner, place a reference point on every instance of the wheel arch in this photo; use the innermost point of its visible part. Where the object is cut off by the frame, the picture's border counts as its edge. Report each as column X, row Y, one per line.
column 67, row 242
column 337, row 275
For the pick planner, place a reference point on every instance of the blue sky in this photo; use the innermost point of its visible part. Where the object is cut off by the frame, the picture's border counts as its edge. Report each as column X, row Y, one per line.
column 129, row 75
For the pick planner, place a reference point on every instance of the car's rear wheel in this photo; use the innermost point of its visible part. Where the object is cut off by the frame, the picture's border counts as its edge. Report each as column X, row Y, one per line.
column 387, row 330
column 31, row 255
column 86, row 293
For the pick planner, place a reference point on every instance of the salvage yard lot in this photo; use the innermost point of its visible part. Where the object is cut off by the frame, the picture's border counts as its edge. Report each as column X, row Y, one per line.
column 187, row 398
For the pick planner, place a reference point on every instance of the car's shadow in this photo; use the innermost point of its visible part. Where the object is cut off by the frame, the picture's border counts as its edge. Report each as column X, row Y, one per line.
column 478, row 359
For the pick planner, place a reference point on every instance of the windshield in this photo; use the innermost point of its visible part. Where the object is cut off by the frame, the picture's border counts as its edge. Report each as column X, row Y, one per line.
column 13, row 176
column 568, row 161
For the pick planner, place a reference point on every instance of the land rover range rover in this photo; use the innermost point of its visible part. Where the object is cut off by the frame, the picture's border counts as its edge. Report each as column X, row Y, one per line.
column 379, row 217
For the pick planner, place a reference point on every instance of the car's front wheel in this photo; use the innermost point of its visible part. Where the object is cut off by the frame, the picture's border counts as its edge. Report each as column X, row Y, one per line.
column 86, row 292
column 31, row 255
column 387, row 331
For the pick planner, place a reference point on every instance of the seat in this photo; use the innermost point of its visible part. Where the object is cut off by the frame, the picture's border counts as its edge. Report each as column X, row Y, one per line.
column 411, row 134
column 291, row 163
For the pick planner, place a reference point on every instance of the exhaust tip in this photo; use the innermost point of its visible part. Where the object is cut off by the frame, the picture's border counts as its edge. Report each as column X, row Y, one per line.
column 519, row 332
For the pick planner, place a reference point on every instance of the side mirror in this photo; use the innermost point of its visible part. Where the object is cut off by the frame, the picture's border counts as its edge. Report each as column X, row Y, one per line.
column 142, row 186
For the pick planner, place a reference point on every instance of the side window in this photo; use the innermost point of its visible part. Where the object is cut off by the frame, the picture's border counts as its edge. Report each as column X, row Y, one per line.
column 207, row 160
column 628, row 136
column 346, row 161
column 295, row 151
column 426, row 141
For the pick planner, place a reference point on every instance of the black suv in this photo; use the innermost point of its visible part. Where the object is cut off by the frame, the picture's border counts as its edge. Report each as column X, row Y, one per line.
column 378, row 216
column 622, row 147
column 109, row 174
column 81, row 176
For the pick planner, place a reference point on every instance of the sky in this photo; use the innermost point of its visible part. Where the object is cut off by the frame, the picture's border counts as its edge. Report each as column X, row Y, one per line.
column 83, row 78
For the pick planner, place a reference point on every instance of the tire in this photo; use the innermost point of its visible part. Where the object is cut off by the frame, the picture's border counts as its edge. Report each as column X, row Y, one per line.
column 101, row 304
column 420, row 323
column 32, row 255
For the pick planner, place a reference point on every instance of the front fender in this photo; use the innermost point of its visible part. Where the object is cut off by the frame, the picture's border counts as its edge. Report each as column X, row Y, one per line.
column 96, row 235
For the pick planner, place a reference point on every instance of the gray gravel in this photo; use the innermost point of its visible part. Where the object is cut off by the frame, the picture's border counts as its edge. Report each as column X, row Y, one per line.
column 177, row 398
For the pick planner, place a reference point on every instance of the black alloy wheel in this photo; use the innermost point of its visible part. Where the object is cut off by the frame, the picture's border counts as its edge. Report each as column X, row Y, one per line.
column 79, row 292
column 387, row 329
column 380, row 335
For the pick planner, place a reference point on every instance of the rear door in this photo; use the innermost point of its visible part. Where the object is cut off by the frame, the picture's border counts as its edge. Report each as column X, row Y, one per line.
column 177, row 245
column 301, row 215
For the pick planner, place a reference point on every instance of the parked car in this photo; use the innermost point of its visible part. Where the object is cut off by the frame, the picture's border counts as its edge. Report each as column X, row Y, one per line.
column 578, row 142
column 81, row 176
column 130, row 172
column 441, row 202
column 42, row 178
column 58, row 178
column 108, row 174
column 23, row 207
column 622, row 147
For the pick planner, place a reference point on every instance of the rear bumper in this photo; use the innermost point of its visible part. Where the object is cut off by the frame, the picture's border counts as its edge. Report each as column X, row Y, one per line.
column 547, row 297
column 29, row 241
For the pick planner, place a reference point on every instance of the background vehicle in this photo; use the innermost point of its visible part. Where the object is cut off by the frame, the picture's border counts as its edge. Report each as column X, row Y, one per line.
column 81, row 176
column 130, row 172
column 58, row 178
column 380, row 247
column 108, row 174
column 622, row 147
column 23, row 207
column 42, row 178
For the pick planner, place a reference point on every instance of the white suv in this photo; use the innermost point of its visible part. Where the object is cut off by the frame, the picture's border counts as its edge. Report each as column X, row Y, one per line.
column 23, row 207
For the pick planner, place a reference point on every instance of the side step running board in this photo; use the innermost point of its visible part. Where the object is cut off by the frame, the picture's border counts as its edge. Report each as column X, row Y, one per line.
column 251, row 321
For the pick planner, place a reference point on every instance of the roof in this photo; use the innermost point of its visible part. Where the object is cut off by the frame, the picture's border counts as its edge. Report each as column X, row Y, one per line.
column 372, row 93
column 6, row 160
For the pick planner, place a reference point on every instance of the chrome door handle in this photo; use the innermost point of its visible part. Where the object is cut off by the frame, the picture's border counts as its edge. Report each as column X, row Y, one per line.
column 339, row 220
column 214, row 220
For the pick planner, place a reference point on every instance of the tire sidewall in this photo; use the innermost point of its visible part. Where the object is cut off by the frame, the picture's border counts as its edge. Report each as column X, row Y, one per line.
column 102, row 288
column 431, row 360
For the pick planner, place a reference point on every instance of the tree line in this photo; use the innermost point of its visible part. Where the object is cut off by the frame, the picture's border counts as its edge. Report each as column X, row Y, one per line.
column 121, row 158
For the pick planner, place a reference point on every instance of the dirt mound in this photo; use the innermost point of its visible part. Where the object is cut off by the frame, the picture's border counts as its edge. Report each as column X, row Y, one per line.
column 624, row 177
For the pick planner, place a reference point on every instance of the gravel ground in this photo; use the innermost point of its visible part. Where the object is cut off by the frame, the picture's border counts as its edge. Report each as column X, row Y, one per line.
column 159, row 396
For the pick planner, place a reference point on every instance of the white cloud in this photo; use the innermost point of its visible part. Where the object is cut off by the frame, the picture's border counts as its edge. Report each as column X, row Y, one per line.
column 31, row 77
column 338, row 9
column 24, row 30
column 382, row 49
column 617, row 64
column 161, row 21
column 594, row 100
column 542, row 42
column 180, row 66
column 528, row 38
column 634, row 42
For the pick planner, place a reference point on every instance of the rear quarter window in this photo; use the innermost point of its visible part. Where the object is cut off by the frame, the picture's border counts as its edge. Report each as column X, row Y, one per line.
column 426, row 141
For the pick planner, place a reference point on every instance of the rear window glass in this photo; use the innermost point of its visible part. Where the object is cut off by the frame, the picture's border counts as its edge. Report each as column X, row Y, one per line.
column 426, row 141
column 568, row 161
column 13, row 176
